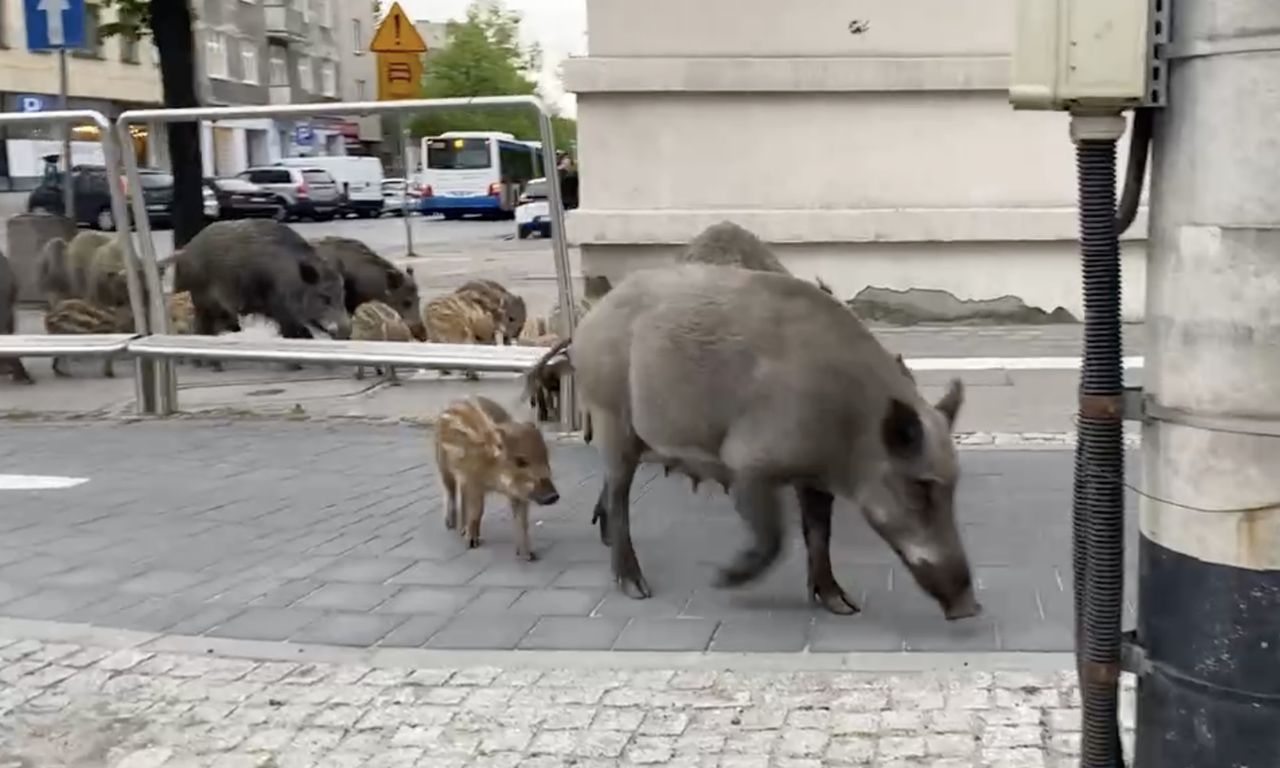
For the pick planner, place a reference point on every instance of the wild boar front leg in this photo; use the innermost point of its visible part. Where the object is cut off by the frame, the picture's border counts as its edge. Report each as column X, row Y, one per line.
column 815, row 520
column 449, row 482
column 600, row 515
column 756, row 499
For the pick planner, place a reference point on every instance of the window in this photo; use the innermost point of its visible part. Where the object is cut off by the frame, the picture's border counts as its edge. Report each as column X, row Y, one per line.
column 362, row 90
column 357, row 37
column 279, row 68
column 458, row 154
column 329, row 73
column 324, row 12
column 128, row 49
column 215, row 48
column 92, row 33
column 306, row 80
column 249, row 62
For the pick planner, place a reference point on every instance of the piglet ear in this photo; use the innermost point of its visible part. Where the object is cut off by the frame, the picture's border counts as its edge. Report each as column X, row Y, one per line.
column 950, row 403
column 902, row 431
column 394, row 279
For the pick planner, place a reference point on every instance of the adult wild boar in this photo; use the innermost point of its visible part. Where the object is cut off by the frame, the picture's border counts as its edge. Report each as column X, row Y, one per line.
column 732, row 245
column 760, row 381
column 260, row 267
column 366, row 276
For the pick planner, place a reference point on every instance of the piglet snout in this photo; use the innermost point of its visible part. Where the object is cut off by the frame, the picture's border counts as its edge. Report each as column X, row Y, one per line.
column 545, row 494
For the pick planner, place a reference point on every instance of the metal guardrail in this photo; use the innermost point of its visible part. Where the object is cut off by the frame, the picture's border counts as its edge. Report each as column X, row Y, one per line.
column 408, row 354
column 163, row 381
column 94, row 344
column 57, row 345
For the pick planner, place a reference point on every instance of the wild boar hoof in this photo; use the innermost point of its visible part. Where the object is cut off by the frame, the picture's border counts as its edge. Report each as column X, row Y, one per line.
column 529, row 556
column 473, row 542
column 748, row 567
column 631, row 581
column 834, row 599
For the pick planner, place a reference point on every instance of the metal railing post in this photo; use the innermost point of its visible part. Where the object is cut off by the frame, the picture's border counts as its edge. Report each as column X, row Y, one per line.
column 564, row 275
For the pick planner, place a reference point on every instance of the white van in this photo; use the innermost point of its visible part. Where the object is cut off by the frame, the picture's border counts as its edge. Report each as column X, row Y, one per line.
column 359, row 178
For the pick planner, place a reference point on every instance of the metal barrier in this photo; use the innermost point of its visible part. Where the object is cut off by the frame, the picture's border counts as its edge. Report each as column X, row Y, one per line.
column 95, row 344
column 426, row 354
column 455, row 357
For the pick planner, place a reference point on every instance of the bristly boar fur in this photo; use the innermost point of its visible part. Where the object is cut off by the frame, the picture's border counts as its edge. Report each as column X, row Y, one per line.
column 480, row 449
column 182, row 313
column 375, row 321
column 763, row 382
column 54, row 276
column 76, row 316
column 366, row 276
column 508, row 309
column 732, row 245
column 9, row 320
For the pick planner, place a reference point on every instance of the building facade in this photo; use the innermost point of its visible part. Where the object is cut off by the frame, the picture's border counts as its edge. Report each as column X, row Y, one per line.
column 109, row 76
column 284, row 52
column 872, row 145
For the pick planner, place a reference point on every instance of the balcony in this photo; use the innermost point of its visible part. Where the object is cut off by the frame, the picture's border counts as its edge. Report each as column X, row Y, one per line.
column 280, row 94
column 283, row 21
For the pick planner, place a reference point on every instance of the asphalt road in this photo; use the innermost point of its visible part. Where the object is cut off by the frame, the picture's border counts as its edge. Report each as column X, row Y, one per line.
column 332, row 534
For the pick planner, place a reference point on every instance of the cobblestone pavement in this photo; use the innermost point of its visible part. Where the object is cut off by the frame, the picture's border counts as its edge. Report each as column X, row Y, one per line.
column 332, row 534
column 73, row 705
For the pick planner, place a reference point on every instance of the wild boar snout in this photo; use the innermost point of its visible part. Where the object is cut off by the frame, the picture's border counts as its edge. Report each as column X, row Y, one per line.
column 949, row 581
column 545, row 493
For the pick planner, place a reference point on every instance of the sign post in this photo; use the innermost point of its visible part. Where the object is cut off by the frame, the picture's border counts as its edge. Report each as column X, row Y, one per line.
column 58, row 25
column 400, row 49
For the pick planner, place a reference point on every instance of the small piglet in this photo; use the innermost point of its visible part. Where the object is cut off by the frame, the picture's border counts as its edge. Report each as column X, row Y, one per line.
column 480, row 449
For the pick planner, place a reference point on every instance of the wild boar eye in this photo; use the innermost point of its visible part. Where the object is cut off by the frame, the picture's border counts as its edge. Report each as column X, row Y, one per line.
column 521, row 463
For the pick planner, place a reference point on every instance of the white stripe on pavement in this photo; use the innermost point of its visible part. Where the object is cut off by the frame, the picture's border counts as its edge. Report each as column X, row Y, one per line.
column 1005, row 363
column 38, row 482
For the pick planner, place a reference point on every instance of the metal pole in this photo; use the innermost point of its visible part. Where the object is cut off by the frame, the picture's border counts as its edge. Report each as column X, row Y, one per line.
column 568, row 304
column 404, row 198
column 68, row 194
column 1209, row 548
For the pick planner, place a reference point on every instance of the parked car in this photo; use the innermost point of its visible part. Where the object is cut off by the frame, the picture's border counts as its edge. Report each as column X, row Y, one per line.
column 307, row 192
column 396, row 193
column 533, row 210
column 239, row 199
column 359, row 180
column 91, row 197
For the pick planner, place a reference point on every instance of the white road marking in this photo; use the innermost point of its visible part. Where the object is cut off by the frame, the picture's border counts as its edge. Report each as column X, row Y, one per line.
column 38, row 482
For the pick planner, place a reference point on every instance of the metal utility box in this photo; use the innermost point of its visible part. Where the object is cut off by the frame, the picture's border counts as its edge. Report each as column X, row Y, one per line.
column 1074, row 54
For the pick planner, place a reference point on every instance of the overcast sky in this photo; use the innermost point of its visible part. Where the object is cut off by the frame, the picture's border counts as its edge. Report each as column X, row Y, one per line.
column 559, row 26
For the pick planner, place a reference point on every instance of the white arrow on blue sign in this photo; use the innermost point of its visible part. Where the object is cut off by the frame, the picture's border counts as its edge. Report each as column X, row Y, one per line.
column 55, row 24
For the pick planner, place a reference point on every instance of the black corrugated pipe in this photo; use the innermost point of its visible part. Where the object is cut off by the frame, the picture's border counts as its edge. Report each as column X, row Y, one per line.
column 1139, row 147
column 1098, row 492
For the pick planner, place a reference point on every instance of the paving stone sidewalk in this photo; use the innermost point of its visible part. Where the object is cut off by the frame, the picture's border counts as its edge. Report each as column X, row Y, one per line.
column 72, row 705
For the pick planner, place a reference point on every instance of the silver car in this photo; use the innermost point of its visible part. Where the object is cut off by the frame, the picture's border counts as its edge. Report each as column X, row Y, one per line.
column 307, row 192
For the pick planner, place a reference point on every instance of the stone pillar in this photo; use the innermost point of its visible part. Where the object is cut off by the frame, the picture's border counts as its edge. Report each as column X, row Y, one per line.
column 872, row 144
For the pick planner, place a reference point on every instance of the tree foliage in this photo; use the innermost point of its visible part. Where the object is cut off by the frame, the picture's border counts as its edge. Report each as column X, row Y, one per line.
column 484, row 57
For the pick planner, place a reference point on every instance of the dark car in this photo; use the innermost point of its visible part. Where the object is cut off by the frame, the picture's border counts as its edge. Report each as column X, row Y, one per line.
column 242, row 199
column 92, row 199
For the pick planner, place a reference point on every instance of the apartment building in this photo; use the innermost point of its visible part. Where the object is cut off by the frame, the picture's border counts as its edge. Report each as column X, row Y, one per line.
column 284, row 52
column 109, row 76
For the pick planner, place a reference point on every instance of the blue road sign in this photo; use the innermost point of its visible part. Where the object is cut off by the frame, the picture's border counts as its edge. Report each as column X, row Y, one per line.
column 55, row 24
column 31, row 102
column 303, row 135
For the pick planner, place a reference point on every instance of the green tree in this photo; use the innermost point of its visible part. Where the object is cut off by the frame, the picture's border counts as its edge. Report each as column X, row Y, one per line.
column 168, row 23
column 484, row 57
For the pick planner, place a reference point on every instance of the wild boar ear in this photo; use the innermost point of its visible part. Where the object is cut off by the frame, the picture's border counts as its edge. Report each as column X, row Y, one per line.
column 950, row 403
column 902, row 430
column 394, row 279
column 310, row 275
column 408, row 270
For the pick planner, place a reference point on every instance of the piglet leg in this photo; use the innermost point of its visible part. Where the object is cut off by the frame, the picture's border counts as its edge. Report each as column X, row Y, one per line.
column 472, row 511
column 815, row 520
column 520, row 511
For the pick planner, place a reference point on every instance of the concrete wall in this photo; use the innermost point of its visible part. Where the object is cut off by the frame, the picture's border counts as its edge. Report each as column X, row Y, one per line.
column 873, row 144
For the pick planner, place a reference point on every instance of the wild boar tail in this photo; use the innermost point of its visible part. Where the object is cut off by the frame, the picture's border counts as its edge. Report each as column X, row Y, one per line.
column 533, row 377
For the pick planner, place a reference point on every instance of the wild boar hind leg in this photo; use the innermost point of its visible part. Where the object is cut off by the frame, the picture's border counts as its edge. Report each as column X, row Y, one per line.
column 815, row 519
column 755, row 497
column 620, row 449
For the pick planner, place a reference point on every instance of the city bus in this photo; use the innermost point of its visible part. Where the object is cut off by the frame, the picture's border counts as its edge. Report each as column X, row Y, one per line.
column 476, row 172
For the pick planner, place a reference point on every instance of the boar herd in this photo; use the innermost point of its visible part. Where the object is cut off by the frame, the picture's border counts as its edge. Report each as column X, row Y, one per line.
column 721, row 366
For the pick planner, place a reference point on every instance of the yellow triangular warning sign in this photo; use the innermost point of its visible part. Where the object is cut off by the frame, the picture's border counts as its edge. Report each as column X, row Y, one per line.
column 396, row 34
